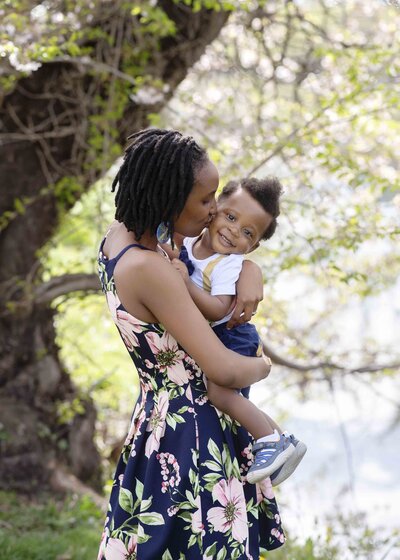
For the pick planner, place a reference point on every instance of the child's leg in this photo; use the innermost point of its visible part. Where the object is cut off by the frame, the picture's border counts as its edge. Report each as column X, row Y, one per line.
column 273, row 424
column 241, row 409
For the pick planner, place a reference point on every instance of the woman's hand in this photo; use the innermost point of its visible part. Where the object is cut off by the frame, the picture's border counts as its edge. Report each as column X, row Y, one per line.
column 249, row 293
column 267, row 360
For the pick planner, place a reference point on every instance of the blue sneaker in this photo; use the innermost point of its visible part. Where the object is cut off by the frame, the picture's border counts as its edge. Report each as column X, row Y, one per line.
column 269, row 456
column 291, row 464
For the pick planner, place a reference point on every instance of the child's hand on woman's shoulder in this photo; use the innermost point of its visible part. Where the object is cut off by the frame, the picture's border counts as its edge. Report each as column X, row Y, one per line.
column 181, row 268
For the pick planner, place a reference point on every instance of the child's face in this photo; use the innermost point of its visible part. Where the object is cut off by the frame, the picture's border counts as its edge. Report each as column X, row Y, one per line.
column 239, row 224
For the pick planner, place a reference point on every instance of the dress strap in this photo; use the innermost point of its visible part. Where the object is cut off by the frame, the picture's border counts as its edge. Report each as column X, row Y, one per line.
column 122, row 252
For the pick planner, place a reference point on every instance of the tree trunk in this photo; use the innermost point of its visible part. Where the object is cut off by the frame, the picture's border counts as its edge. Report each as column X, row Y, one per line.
column 51, row 154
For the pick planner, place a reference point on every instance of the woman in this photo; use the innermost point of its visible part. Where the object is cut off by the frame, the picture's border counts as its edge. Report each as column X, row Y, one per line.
column 178, row 491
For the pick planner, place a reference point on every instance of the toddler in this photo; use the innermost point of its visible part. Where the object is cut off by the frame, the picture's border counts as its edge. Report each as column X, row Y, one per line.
column 210, row 265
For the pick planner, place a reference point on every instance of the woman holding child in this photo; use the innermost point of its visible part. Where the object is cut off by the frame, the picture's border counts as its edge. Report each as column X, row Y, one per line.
column 180, row 488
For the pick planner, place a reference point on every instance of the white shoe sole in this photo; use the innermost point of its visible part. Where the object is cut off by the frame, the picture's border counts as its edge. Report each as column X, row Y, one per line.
column 291, row 464
column 260, row 474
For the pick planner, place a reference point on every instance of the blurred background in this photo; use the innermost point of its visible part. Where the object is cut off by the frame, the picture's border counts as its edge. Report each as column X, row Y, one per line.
column 307, row 90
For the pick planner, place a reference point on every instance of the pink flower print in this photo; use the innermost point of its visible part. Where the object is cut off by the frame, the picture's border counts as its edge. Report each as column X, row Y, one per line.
column 197, row 522
column 104, row 536
column 169, row 471
column 157, row 423
column 232, row 514
column 264, row 490
column 189, row 360
column 248, row 456
column 278, row 535
column 139, row 416
column 173, row 510
column 116, row 549
column 169, row 357
column 201, row 400
column 126, row 324
column 189, row 394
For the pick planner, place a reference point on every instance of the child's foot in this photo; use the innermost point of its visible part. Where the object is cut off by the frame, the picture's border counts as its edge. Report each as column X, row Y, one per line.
column 269, row 456
column 291, row 464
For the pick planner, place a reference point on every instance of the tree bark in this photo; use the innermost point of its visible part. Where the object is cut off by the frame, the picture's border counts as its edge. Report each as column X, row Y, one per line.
column 48, row 160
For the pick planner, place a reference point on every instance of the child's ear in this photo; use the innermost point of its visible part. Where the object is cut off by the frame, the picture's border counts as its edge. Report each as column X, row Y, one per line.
column 254, row 247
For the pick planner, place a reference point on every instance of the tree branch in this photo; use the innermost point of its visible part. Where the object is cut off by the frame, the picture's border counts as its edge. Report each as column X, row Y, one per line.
column 69, row 283
column 368, row 368
column 65, row 284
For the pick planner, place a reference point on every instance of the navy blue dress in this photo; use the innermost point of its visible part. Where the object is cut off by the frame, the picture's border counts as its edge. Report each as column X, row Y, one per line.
column 180, row 489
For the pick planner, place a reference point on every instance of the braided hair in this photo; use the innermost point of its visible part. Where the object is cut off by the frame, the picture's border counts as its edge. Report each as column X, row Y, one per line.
column 155, row 179
column 265, row 191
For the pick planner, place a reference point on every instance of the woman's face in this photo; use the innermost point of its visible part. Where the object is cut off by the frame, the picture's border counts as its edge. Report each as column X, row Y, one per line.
column 200, row 205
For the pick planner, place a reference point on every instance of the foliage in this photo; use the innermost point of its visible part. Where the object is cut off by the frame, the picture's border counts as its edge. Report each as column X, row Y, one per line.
column 307, row 91
column 307, row 111
column 90, row 346
column 346, row 537
column 48, row 529
column 69, row 529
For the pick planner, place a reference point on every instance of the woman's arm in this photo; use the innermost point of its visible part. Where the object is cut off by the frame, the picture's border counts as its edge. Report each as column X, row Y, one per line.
column 160, row 290
column 249, row 293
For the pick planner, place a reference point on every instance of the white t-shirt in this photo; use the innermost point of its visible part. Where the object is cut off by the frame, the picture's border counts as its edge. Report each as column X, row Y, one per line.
column 216, row 275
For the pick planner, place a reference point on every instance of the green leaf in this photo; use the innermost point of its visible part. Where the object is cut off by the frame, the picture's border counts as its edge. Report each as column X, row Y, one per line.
column 221, row 554
column 211, row 550
column 183, row 409
column 178, row 418
column 213, row 466
column 211, row 477
column 190, row 497
column 193, row 477
column 214, row 451
column 166, row 555
column 19, row 206
column 171, row 421
column 185, row 515
column 145, row 504
column 192, row 540
column 139, row 489
column 151, row 518
column 143, row 538
column 125, row 500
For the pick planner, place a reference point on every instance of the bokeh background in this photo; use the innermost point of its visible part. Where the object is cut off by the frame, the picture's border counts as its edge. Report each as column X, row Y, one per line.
column 307, row 90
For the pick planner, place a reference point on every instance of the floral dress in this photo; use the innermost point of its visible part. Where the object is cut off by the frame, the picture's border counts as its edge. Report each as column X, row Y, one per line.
column 180, row 490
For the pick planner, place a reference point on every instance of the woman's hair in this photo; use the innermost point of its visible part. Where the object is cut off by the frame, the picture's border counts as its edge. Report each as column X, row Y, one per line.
column 265, row 191
column 155, row 179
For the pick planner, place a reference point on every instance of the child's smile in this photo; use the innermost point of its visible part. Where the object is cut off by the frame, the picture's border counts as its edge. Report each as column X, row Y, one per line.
column 238, row 226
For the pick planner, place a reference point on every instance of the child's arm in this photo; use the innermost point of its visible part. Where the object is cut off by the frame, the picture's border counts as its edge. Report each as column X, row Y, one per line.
column 212, row 307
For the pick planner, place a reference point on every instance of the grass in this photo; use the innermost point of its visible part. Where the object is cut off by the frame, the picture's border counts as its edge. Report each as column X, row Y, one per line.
column 48, row 529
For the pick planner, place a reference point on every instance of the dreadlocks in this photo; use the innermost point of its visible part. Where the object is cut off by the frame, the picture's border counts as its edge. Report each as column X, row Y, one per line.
column 155, row 179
